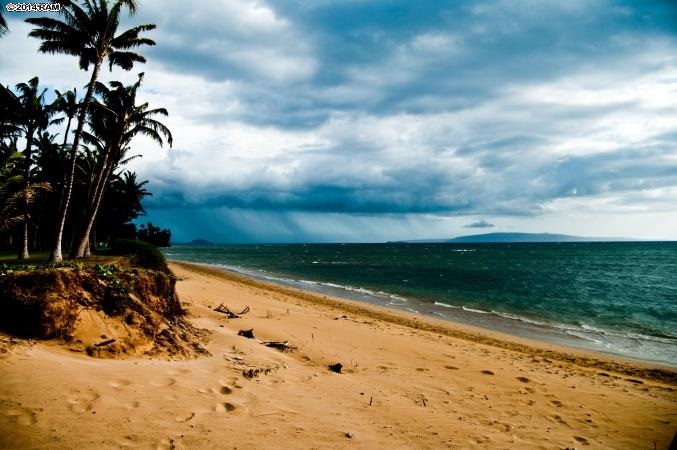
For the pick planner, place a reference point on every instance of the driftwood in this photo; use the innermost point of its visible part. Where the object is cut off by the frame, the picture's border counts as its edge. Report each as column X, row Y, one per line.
column 246, row 333
column 106, row 342
column 223, row 309
column 236, row 359
column 254, row 373
column 280, row 345
column 336, row 367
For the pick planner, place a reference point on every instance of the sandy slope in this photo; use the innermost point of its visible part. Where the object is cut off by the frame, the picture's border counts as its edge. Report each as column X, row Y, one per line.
column 407, row 382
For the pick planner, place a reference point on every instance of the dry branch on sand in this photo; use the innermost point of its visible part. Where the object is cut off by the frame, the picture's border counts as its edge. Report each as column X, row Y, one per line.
column 280, row 345
column 223, row 309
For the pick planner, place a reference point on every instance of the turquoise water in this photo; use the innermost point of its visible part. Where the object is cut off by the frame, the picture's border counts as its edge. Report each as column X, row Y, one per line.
column 619, row 298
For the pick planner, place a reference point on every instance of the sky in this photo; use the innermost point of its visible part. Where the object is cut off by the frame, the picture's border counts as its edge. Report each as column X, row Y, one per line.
column 377, row 120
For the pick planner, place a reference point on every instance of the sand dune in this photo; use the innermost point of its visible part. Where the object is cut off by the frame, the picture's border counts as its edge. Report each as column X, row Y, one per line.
column 406, row 382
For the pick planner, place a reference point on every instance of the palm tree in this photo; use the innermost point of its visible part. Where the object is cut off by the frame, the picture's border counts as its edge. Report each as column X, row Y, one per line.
column 3, row 25
column 117, row 122
column 68, row 105
column 11, row 193
column 9, row 114
column 90, row 33
column 32, row 115
column 46, row 149
column 132, row 193
column 121, row 204
column 14, row 194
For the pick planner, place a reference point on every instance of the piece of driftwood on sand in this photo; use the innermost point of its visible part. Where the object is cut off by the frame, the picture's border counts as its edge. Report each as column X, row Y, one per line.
column 280, row 345
column 223, row 309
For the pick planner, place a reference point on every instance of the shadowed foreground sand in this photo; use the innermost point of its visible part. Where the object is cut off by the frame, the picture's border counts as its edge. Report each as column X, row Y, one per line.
column 407, row 382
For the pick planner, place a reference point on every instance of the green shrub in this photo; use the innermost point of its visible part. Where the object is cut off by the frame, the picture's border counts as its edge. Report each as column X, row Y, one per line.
column 143, row 254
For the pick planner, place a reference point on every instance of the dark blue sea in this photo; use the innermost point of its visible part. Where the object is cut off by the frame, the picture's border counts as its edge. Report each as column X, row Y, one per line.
column 619, row 298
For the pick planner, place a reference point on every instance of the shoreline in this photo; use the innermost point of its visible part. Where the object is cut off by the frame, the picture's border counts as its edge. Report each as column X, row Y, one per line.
column 406, row 381
column 458, row 329
column 467, row 285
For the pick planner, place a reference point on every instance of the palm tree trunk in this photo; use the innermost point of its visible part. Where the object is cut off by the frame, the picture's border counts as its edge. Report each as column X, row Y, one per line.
column 93, row 205
column 23, row 253
column 101, row 177
column 56, row 252
column 83, row 246
column 65, row 136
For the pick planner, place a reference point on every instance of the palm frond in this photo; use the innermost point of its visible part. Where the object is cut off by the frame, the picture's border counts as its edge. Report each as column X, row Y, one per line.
column 130, row 38
column 3, row 25
column 124, row 60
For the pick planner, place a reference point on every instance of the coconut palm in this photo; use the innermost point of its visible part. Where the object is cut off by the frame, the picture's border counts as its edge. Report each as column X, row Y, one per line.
column 116, row 122
column 14, row 194
column 9, row 114
column 11, row 194
column 121, row 205
column 45, row 144
column 31, row 115
column 68, row 105
column 90, row 32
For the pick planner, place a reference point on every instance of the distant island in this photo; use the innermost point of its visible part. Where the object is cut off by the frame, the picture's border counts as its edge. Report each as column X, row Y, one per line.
column 514, row 237
column 199, row 242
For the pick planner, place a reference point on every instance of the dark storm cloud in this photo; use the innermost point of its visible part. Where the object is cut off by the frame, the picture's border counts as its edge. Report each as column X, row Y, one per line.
column 381, row 107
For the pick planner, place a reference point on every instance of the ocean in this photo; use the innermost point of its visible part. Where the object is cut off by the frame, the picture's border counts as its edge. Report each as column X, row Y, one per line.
column 613, row 297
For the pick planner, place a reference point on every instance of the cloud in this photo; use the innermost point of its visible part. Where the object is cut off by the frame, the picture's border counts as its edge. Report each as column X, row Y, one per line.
column 479, row 224
column 287, row 112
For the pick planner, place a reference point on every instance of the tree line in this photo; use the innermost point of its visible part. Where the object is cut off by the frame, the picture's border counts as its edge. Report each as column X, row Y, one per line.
column 71, row 192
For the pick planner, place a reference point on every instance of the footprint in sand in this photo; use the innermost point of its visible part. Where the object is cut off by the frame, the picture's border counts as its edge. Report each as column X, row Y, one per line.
column 582, row 440
column 557, row 418
column 132, row 405
column 231, row 408
column 163, row 382
column 22, row 416
column 225, row 390
column 556, row 403
column 487, row 372
column 83, row 402
column 119, row 384
column 166, row 444
column 232, row 382
column 451, row 367
column 185, row 417
column 523, row 379
column 126, row 441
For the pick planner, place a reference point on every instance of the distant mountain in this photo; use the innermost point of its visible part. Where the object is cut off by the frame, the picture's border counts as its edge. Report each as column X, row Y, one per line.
column 199, row 242
column 517, row 237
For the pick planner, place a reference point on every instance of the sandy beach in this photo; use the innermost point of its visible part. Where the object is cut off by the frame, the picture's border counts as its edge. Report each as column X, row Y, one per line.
column 406, row 381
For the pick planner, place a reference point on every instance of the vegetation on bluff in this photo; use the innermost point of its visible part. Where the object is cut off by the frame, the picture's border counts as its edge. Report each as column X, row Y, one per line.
column 107, row 307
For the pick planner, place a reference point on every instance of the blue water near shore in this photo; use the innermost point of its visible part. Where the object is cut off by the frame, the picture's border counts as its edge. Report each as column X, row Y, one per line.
column 619, row 298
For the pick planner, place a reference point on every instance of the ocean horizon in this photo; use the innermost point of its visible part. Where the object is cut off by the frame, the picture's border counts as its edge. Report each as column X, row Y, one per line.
column 612, row 297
